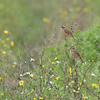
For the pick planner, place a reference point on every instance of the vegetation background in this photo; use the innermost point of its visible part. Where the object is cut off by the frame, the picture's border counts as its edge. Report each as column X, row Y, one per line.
column 35, row 62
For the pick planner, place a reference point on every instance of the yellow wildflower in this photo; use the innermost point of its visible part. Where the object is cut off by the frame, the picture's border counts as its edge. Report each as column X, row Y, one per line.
column 57, row 78
column 31, row 75
column 45, row 20
column 94, row 85
column 34, row 98
column 0, row 78
column 77, row 91
column 55, row 58
column 92, row 60
column 72, row 82
column 2, row 94
column 32, row 59
column 85, row 98
column 80, row 83
column 60, row 10
column 28, row 94
column 78, row 88
column 1, row 6
column 40, row 98
column 69, row 70
column 65, row 12
column 31, row 91
column 85, row 9
column 42, row 66
column 12, row 43
column 77, row 9
column 28, row 73
column 74, row 2
column 2, row 41
column 3, row 52
column 52, row 63
column 21, row 83
column 5, row 31
column 87, row 1
column 7, row 39
column 13, row 65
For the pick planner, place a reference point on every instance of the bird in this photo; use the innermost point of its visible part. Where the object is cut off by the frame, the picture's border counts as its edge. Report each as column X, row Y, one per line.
column 75, row 54
column 67, row 32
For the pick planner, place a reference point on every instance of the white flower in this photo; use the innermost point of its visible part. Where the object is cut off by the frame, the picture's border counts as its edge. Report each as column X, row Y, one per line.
column 57, row 62
column 21, row 75
column 51, row 82
column 93, row 74
column 15, row 62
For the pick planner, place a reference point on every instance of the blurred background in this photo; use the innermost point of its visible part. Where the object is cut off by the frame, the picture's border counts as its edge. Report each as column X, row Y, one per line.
column 30, row 22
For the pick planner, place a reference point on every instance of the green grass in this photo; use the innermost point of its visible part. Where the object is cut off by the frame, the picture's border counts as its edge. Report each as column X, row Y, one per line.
column 52, row 79
column 55, row 78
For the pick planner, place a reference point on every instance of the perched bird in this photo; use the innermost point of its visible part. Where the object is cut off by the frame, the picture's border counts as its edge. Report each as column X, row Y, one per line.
column 67, row 32
column 75, row 54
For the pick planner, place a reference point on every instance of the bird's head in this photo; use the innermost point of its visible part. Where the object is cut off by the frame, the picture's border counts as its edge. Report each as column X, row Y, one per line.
column 72, row 47
column 62, row 27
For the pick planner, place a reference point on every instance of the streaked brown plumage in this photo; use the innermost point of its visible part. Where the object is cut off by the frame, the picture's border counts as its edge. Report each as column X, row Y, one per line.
column 67, row 32
column 75, row 54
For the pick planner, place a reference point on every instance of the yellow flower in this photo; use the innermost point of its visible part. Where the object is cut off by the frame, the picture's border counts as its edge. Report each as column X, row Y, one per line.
column 77, row 9
column 28, row 94
column 80, row 83
column 94, row 85
column 28, row 73
column 7, row 39
column 45, row 20
column 52, row 63
column 32, row 59
column 21, row 83
column 72, row 82
column 85, row 9
column 65, row 12
column 1, row 6
column 87, row 1
column 57, row 78
column 42, row 66
column 92, row 60
column 3, row 52
column 77, row 91
column 31, row 75
column 74, row 2
column 0, row 78
column 85, row 98
column 69, row 70
column 40, row 98
column 60, row 10
column 55, row 58
column 78, row 88
column 12, row 43
column 5, row 31
column 31, row 91
column 2, row 41
column 13, row 65
column 34, row 98
column 2, row 94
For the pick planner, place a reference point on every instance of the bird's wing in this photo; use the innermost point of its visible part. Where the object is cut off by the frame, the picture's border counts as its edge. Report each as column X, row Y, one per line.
column 77, row 53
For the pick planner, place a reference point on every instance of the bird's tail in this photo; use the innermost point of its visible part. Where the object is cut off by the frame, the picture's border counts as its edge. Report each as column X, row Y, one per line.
column 82, row 60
